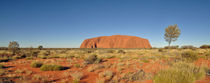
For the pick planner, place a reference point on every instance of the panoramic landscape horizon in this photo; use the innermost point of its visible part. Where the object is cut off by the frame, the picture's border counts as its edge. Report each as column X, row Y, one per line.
column 104, row 41
column 65, row 24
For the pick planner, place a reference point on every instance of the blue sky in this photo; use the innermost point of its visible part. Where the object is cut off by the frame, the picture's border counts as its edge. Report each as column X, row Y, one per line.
column 66, row 23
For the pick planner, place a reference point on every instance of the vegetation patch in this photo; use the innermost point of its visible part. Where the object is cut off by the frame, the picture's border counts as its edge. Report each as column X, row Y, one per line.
column 36, row 64
column 180, row 73
column 190, row 56
column 76, row 77
column 51, row 68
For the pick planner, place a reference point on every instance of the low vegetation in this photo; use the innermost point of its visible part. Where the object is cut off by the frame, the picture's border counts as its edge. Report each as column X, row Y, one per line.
column 180, row 73
column 36, row 64
column 158, row 65
column 51, row 67
column 76, row 76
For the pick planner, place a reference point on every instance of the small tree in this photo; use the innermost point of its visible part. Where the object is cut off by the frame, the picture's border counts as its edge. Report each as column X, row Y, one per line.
column 172, row 32
column 13, row 47
column 40, row 47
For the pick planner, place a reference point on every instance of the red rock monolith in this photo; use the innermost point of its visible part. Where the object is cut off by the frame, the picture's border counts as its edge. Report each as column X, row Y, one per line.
column 116, row 41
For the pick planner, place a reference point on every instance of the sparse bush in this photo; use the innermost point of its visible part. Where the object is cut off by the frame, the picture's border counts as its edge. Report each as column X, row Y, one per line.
column 107, row 74
column 160, row 50
column 16, row 57
column 77, row 65
column 2, row 72
column 40, row 47
column 90, row 59
column 110, row 51
column 42, row 57
column 205, row 46
column 95, row 67
column 76, row 77
column 188, row 47
column 171, row 47
column 14, row 47
column 145, row 61
column 190, row 56
column 51, row 67
column 134, row 76
column 180, row 73
column 121, row 51
column 36, row 64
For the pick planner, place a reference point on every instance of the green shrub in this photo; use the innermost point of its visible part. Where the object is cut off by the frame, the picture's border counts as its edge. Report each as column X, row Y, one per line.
column 51, row 67
column 77, row 65
column 90, row 59
column 190, row 56
column 180, row 73
column 42, row 56
column 2, row 66
column 36, row 64
column 16, row 57
column 145, row 61
column 121, row 51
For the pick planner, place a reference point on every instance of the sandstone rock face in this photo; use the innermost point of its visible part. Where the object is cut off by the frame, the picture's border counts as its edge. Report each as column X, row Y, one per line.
column 116, row 41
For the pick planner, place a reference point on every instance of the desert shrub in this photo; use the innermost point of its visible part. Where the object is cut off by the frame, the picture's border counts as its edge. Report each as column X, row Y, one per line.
column 207, row 55
column 77, row 65
column 51, row 67
column 76, row 76
column 189, row 56
column 16, row 57
column 4, row 59
column 2, row 72
column 145, row 61
column 2, row 66
column 160, row 50
column 121, row 51
column 14, row 47
column 188, row 47
column 90, row 59
column 107, row 74
column 205, row 46
column 36, row 64
column 95, row 67
column 98, row 60
column 110, row 51
column 171, row 47
column 180, row 73
column 42, row 56
column 134, row 76
column 29, row 58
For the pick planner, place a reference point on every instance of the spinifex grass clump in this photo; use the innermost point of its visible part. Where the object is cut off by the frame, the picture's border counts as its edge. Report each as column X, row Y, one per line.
column 189, row 56
column 90, row 59
column 180, row 73
column 36, row 64
column 51, row 67
column 76, row 76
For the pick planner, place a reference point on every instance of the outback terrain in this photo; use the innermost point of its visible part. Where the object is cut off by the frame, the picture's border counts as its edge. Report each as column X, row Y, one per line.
column 106, row 66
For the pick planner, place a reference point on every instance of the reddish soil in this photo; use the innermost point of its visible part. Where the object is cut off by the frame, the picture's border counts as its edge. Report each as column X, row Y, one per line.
column 90, row 77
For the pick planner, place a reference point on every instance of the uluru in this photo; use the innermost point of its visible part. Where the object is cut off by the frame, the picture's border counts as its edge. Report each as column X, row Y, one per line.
column 116, row 41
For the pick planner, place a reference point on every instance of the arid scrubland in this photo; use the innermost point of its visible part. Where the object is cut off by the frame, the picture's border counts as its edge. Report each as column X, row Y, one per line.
column 106, row 66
